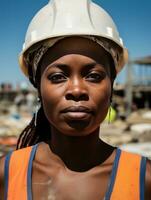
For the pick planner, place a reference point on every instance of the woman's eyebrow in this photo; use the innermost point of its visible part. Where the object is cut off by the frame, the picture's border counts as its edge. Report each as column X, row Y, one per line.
column 66, row 66
column 90, row 65
column 59, row 65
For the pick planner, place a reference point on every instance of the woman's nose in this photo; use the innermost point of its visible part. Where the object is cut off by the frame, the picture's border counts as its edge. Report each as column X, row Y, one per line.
column 77, row 91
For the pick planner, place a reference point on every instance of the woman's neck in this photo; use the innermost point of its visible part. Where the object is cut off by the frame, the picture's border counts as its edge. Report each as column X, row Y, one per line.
column 80, row 153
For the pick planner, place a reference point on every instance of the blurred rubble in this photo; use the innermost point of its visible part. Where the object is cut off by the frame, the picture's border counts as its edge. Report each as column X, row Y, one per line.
column 16, row 110
column 11, row 125
column 132, row 134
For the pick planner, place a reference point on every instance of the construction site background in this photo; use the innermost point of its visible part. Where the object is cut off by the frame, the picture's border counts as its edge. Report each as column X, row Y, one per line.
column 127, row 125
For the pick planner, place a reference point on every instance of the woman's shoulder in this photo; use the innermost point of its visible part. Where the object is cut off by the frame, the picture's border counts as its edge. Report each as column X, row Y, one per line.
column 2, row 164
column 17, row 160
column 144, row 170
column 148, row 180
column 16, row 154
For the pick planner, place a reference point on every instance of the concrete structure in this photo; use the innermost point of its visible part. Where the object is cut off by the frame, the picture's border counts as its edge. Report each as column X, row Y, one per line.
column 138, row 78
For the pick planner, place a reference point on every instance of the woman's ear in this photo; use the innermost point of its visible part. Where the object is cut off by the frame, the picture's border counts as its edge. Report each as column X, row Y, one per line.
column 39, row 92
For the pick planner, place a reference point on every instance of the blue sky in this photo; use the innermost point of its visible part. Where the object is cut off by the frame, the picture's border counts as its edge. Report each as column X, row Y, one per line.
column 133, row 19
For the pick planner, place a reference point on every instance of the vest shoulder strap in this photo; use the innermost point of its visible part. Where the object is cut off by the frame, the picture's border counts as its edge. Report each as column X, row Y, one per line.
column 127, row 182
column 17, row 168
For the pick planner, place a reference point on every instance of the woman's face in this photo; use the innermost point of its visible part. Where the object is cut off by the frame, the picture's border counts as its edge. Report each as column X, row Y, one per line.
column 75, row 92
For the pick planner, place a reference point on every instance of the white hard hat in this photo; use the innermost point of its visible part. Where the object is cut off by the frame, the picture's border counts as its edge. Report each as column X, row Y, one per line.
column 71, row 18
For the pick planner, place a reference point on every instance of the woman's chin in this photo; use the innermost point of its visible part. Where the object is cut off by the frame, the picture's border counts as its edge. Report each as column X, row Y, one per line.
column 78, row 128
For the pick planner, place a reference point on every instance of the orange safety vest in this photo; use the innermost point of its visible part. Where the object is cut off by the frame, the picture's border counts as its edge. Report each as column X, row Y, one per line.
column 127, row 181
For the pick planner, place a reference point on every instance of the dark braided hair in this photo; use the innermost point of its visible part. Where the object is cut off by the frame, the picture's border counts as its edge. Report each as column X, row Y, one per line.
column 33, row 134
column 39, row 127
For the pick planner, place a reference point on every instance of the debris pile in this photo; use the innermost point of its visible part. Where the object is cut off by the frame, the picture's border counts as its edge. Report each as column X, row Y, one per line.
column 11, row 125
column 132, row 134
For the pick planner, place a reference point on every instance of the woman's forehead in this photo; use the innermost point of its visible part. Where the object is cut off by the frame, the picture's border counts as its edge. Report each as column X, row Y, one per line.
column 73, row 63
column 75, row 45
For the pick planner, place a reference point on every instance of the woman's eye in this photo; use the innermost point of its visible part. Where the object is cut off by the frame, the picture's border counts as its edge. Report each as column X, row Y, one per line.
column 95, row 76
column 57, row 77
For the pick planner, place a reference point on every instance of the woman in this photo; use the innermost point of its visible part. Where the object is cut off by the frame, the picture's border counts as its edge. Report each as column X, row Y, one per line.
column 72, row 59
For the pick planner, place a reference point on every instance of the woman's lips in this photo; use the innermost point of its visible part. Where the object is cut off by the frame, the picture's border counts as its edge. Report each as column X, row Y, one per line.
column 77, row 112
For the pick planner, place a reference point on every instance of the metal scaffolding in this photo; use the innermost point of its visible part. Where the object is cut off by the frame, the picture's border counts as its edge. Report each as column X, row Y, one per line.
column 144, row 63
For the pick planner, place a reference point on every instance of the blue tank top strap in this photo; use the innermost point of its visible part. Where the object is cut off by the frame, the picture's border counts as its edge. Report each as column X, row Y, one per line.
column 6, row 173
column 29, row 173
column 113, row 174
column 142, row 178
